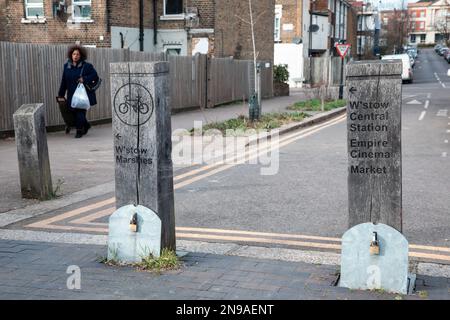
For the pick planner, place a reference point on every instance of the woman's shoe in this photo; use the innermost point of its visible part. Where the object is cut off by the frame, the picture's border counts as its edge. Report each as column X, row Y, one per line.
column 79, row 134
column 87, row 127
column 67, row 129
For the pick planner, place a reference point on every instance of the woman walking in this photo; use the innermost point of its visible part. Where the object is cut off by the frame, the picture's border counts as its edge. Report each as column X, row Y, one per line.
column 77, row 70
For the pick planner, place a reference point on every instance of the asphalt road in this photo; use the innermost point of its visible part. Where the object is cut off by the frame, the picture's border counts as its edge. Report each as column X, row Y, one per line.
column 308, row 195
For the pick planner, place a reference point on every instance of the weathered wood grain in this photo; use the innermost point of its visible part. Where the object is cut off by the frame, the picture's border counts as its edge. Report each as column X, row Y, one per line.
column 142, row 140
column 374, row 143
column 32, row 152
column 31, row 73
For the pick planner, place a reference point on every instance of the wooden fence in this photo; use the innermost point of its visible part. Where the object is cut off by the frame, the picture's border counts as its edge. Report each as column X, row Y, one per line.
column 31, row 73
column 325, row 70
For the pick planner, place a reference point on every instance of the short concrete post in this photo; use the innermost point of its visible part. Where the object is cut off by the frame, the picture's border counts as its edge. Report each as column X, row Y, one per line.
column 142, row 140
column 32, row 151
column 131, row 246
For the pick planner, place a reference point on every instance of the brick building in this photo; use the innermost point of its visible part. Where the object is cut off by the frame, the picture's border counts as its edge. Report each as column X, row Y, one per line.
column 394, row 30
column 288, row 21
column 233, row 32
column 330, row 20
column 332, row 17
column 429, row 21
column 352, row 29
column 175, row 26
column 50, row 21
column 368, row 29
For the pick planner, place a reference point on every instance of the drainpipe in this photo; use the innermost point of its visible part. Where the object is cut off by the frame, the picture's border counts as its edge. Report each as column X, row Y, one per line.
column 155, row 23
column 141, row 25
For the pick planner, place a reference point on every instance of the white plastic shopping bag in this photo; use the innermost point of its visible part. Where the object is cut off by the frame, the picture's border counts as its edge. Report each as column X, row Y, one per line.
column 80, row 99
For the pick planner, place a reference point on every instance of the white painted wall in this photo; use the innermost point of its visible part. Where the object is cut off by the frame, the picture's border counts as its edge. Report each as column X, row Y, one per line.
column 201, row 46
column 167, row 39
column 292, row 55
column 320, row 38
column 131, row 38
column 172, row 39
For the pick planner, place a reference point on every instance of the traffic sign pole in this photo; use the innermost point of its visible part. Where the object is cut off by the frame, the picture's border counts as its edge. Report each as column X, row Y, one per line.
column 341, row 86
column 342, row 49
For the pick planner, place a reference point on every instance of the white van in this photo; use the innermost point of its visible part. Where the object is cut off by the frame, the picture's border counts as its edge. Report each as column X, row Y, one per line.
column 407, row 73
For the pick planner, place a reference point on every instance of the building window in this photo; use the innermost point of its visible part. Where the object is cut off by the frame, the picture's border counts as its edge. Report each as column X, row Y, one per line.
column 173, row 51
column 278, row 14
column 422, row 25
column 422, row 38
column 422, row 14
column 34, row 8
column 413, row 38
column 359, row 45
column 81, row 9
column 173, row 7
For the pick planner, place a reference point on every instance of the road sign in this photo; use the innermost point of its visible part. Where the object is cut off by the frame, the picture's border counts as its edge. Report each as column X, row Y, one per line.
column 342, row 49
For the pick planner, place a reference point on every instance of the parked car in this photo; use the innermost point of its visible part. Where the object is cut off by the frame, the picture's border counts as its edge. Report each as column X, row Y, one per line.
column 412, row 52
column 438, row 47
column 411, row 58
column 447, row 56
column 412, row 61
column 442, row 51
column 407, row 72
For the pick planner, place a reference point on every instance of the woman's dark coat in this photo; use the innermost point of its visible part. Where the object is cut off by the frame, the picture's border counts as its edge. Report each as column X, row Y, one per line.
column 70, row 78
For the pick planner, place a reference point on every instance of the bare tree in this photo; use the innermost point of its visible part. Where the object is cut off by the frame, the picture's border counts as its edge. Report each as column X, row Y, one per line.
column 442, row 25
column 256, row 95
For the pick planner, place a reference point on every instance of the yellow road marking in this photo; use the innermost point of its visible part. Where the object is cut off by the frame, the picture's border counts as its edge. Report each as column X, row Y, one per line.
column 429, row 256
column 89, row 218
column 286, row 140
column 71, row 213
column 430, row 248
column 268, row 234
column 73, row 228
column 259, row 240
column 256, row 153
column 251, row 154
column 282, row 139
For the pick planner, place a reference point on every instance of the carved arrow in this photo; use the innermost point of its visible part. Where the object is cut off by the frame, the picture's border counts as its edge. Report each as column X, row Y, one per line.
column 118, row 136
column 353, row 90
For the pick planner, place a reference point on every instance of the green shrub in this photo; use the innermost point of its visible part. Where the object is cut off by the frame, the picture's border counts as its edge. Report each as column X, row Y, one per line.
column 280, row 73
column 316, row 105
column 267, row 121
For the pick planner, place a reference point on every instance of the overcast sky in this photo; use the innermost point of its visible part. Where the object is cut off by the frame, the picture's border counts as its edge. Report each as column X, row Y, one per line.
column 390, row 4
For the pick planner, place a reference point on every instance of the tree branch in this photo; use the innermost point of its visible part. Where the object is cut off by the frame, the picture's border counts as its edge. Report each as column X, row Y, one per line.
column 259, row 16
column 245, row 21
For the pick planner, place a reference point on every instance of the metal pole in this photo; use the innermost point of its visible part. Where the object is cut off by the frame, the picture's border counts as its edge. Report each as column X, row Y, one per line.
column 141, row 25
column 341, row 86
column 310, row 41
column 254, row 108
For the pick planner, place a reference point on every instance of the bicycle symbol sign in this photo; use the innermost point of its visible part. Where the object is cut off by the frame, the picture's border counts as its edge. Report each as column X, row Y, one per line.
column 133, row 104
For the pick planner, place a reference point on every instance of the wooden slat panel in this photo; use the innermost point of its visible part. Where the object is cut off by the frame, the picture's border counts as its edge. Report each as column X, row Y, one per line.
column 31, row 73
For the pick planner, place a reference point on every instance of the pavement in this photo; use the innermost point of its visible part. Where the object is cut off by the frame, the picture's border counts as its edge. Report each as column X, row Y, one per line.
column 37, row 263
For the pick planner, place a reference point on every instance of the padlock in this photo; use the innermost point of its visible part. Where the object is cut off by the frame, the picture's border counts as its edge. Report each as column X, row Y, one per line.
column 133, row 223
column 374, row 245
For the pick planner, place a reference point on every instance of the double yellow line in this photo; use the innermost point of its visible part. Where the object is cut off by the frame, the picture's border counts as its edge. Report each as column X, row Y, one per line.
column 253, row 152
